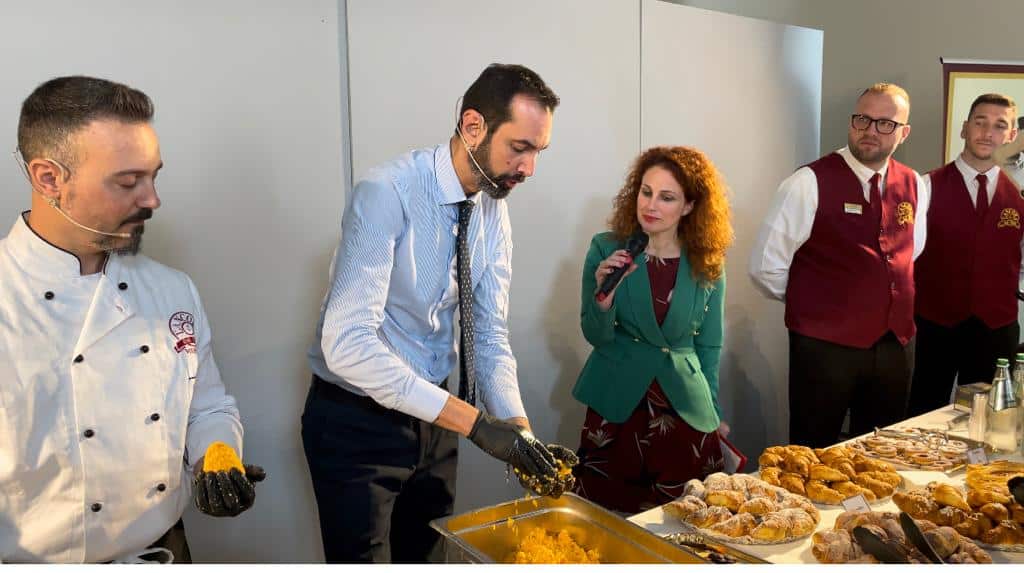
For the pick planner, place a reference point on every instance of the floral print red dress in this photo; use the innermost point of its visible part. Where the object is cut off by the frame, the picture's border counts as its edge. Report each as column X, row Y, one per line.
column 645, row 461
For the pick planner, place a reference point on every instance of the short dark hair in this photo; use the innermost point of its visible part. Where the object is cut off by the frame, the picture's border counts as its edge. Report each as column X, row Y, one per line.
column 491, row 94
column 60, row 107
column 997, row 99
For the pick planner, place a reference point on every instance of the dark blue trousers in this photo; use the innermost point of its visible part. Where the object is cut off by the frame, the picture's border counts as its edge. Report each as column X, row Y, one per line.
column 379, row 477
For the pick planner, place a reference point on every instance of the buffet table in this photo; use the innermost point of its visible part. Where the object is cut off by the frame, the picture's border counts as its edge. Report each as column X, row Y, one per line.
column 656, row 521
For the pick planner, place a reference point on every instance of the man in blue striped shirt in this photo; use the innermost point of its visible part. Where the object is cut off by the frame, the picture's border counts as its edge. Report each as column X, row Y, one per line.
column 380, row 429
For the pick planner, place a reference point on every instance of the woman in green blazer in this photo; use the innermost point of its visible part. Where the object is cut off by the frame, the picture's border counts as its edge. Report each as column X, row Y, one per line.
column 651, row 382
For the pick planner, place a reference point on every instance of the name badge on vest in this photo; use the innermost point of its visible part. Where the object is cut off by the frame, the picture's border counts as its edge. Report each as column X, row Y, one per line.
column 853, row 208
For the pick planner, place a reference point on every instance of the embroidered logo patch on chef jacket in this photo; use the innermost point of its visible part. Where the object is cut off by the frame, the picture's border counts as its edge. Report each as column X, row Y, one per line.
column 182, row 325
column 1009, row 218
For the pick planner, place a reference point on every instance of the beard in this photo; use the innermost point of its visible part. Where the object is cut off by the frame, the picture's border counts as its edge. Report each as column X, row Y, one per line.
column 131, row 245
column 880, row 154
column 981, row 153
column 482, row 173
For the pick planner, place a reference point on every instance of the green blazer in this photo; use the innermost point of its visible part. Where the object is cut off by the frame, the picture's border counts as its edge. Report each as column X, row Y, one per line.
column 630, row 349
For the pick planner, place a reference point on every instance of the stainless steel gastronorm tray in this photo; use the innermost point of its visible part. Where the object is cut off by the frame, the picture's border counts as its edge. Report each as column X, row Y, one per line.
column 491, row 534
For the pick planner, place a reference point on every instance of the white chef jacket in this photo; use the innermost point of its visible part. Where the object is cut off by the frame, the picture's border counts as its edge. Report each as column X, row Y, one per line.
column 108, row 388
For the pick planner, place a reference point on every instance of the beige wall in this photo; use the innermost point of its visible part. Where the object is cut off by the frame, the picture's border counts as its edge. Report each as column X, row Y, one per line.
column 893, row 40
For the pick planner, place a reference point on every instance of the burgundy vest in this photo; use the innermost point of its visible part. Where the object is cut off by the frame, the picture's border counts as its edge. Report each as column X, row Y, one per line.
column 969, row 267
column 853, row 280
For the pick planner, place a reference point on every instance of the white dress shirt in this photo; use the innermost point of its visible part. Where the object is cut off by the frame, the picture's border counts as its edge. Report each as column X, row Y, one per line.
column 108, row 388
column 791, row 216
column 387, row 322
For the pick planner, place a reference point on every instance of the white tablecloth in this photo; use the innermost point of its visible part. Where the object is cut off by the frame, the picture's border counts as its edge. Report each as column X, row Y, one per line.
column 656, row 521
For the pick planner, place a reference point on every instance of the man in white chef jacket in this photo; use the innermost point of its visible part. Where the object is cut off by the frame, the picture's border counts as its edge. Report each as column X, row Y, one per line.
column 109, row 394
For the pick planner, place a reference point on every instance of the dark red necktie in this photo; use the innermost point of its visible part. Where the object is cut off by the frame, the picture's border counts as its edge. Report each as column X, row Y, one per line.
column 876, row 198
column 982, row 202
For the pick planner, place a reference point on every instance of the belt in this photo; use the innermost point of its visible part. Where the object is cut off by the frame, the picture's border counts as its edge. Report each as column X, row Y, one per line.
column 325, row 390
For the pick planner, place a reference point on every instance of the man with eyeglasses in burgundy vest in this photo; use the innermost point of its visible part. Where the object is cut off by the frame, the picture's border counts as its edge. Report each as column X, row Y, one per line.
column 968, row 277
column 838, row 246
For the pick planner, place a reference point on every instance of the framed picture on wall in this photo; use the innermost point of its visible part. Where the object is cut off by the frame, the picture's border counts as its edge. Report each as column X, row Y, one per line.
column 963, row 81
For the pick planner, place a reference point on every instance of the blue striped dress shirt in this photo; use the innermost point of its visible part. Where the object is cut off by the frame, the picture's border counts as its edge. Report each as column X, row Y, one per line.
column 387, row 322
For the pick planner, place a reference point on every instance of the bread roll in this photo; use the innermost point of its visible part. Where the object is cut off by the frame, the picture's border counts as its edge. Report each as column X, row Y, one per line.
column 708, row 516
column 773, row 528
column 879, row 488
column 758, row 506
column 917, row 504
column 979, row 497
column 945, row 540
column 729, row 499
column 819, row 492
column 793, row 483
column 769, row 460
column 946, row 494
column 684, row 506
column 771, row 475
column 800, row 522
column 824, row 473
column 736, row 526
column 995, row 511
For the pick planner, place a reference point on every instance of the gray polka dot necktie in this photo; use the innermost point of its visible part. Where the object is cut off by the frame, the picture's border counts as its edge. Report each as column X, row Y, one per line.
column 467, row 353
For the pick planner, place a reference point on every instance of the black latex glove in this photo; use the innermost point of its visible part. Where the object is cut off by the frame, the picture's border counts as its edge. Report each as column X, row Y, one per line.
column 513, row 445
column 226, row 494
column 564, row 457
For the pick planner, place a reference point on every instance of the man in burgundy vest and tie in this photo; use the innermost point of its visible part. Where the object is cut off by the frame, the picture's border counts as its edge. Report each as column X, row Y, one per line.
column 838, row 246
column 968, row 277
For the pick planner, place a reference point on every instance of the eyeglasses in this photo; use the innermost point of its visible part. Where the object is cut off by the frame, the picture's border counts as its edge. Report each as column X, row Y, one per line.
column 862, row 122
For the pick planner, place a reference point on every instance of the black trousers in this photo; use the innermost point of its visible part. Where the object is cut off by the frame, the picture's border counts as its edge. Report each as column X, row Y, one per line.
column 968, row 349
column 379, row 477
column 826, row 379
column 175, row 542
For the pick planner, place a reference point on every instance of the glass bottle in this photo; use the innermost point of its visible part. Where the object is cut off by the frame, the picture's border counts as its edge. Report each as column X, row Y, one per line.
column 1018, row 390
column 1002, row 425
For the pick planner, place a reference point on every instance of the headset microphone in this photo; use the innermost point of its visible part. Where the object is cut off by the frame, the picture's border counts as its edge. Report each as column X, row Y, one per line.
column 478, row 168
column 53, row 203
column 20, row 160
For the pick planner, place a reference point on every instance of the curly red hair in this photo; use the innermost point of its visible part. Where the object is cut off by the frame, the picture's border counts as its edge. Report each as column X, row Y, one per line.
column 706, row 232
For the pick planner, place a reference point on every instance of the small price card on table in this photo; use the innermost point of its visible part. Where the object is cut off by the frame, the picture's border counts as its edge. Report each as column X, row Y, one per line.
column 977, row 456
column 856, row 503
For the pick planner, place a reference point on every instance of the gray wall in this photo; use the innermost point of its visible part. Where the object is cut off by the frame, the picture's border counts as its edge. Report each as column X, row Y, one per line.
column 704, row 102
column 252, row 125
column 899, row 41
column 593, row 64
column 248, row 98
column 626, row 84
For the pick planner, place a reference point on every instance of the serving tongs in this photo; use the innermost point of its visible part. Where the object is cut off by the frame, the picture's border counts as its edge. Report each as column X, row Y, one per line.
column 883, row 550
column 714, row 553
column 1016, row 486
column 890, row 551
column 917, row 538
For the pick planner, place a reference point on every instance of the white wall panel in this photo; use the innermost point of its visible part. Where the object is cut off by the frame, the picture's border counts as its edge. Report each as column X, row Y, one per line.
column 411, row 61
column 748, row 93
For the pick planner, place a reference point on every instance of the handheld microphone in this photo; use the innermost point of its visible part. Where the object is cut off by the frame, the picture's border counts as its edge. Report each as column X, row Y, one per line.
column 635, row 245
column 53, row 203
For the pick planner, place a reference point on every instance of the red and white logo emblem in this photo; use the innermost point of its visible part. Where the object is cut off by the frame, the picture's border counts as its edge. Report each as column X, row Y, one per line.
column 182, row 326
